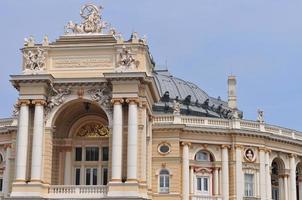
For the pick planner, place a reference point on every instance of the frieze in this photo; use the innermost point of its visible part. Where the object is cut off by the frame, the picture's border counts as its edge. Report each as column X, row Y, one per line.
column 81, row 61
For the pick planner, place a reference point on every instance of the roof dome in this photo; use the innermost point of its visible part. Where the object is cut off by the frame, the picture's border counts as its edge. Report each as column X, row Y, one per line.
column 193, row 100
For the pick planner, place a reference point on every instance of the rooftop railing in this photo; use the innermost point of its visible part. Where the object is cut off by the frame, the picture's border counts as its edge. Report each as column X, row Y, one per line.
column 240, row 124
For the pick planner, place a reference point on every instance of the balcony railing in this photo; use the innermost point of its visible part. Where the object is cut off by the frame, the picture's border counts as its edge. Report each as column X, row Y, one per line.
column 77, row 191
column 199, row 197
column 192, row 121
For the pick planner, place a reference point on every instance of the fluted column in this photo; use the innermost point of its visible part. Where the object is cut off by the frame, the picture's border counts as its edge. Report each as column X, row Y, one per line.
column 6, row 175
column 268, row 175
column 185, row 171
column 292, row 178
column 262, row 181
column 22, row 141
column 225, row 172
column 67, row 166
column 37, row 145
column 216, row 181
column 239, row 173
column 132, row 141
column 117, row 141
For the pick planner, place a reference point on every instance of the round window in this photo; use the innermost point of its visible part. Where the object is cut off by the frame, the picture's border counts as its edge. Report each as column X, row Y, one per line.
column 164, row 148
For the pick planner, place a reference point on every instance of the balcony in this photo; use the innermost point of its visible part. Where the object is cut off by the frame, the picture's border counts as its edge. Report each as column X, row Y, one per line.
column 199, row 197
column 77, row 191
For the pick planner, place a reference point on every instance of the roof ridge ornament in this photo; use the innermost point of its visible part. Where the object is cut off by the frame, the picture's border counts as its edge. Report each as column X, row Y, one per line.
column 92, row 21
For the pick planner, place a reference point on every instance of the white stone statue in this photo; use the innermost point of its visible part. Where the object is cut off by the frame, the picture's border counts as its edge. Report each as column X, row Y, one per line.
column 45, row 41
column 126, row 62
column 101, row 96
column 34, row 61
column 176, row 107
column 91, row 23
column 58, row 96
column 260, row 117
column 30, row 42
column 16, row 109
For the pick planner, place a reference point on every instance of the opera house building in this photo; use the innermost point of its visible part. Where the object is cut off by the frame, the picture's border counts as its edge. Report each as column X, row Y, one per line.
column 95, row 119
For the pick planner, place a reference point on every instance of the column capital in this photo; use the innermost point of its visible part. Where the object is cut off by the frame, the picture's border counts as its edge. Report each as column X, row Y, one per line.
column 117, row 100
column 6, row 146
column 265, row 149
column 225, row 146
column 238, row 146
column 186, row 144
column 292, row 155
column 134, row 100
column 40, row 102
column 25, row 102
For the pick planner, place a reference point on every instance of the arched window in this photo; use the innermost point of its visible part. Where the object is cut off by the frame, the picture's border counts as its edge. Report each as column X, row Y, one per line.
column 164, row 181
column 202, row 156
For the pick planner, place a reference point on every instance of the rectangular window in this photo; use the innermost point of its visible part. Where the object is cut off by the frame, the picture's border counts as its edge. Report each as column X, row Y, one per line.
column 77, row 176
column 88, row 176
column 91, row 176
column 105, row 153
column 78, row 153
column 1, row 184
column 92, row 153
column 249, row 185
column 164, row 183
column 105, row 176
column 203, row 183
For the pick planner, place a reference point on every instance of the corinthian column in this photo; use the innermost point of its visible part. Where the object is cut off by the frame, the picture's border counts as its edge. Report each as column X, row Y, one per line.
column 225, row 172
column 292, row 178
column 132, row 141
column 185, row 171
column 22, row 141
column 117, row 142
column 37, row 145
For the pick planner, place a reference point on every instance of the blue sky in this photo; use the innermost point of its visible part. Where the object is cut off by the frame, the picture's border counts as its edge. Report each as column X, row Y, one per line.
column 202, row 41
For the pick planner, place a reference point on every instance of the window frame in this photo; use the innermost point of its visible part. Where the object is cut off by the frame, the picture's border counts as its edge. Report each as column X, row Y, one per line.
column 203, row 160
column 166, row 181
column 202, row 191
column 249, row 187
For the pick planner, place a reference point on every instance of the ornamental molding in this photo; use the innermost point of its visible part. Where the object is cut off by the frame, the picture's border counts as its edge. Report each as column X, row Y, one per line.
column 93, row 130
column 34, row 61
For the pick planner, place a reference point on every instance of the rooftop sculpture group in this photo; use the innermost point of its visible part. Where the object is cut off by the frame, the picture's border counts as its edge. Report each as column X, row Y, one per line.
column 91, row 23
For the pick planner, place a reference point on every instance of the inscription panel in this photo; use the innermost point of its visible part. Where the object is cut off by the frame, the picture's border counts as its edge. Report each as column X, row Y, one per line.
column 61, row 62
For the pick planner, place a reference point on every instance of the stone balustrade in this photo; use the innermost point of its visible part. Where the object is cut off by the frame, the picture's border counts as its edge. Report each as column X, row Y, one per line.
column 192, row 121
column 76, row 191
column 200, row 197
column 6, row 122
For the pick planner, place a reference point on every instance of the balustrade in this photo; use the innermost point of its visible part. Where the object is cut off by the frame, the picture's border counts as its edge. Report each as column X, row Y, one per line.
column 75, row 191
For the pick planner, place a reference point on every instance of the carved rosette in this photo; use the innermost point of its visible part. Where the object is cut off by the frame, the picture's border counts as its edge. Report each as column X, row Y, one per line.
column 93, row 130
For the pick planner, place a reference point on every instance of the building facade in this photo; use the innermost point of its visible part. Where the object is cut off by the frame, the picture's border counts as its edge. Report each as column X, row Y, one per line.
column 96, row 120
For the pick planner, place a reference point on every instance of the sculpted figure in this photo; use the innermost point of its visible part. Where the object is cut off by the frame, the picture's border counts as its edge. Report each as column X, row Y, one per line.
column 58, row 97
column 176, row 107
column 127, row 62
column 260, row 117
column 34, row 61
